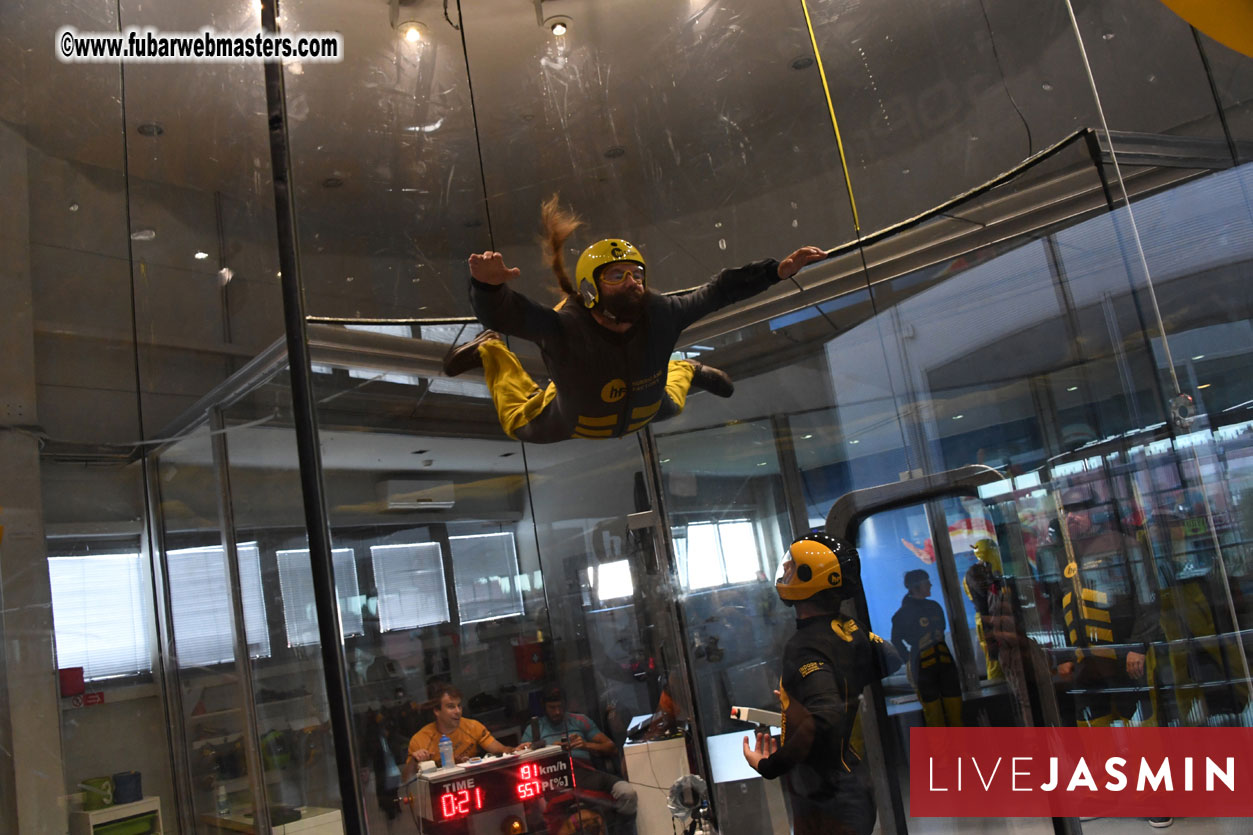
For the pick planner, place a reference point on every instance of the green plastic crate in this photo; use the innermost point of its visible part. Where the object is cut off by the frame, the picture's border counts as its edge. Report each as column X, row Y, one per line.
column 144, row 824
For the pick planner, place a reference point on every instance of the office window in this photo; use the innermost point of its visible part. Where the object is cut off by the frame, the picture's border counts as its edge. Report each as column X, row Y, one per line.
column 611, row 580
column 300, row 614
column 717, row 553
column 201, row 604
column 100, row 614
column 410, row 580
column 485, row 571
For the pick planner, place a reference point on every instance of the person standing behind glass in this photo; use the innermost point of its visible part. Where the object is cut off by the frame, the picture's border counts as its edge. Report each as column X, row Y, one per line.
column 1111, row 615
column 827, row 664
column 918, row 632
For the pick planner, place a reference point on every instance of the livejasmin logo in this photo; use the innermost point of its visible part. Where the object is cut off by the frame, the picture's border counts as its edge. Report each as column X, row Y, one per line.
column 1072, row 772
column 1021, row 771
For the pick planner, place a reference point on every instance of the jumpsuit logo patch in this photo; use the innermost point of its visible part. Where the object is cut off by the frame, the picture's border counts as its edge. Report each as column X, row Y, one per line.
column 1071, row 570
column 613, row 391
column 844, row 630
column 808, row 669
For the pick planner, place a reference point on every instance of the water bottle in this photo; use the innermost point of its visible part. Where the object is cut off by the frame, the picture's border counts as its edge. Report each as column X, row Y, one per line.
column 446, row 759
column 221, row 804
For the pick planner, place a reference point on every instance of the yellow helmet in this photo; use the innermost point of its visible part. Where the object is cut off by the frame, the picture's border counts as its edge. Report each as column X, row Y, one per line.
column 596, row 256
column 986, row 551
column 817, row 562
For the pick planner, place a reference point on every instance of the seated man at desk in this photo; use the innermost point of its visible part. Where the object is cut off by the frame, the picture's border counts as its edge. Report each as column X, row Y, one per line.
column 580, row 733
column 469, row 738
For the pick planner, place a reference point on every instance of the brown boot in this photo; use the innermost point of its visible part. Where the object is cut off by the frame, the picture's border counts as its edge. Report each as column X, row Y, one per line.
column 713, row 380
column 464, row 357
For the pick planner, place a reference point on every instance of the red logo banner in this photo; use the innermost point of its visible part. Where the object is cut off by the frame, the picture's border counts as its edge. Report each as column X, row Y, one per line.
column 1080, row 772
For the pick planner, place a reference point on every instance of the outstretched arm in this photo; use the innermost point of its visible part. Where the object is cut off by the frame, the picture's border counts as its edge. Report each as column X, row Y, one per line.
column 499, row 307
column 731, row 286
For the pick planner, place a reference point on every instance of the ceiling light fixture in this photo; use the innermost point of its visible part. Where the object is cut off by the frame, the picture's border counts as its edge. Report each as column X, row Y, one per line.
column 201, row 255
column 854, row 441
column 958, row 417
column 1204, row 385
column 1199, row 357
column 144, row 235
column 558, row 24
column 1072, row 388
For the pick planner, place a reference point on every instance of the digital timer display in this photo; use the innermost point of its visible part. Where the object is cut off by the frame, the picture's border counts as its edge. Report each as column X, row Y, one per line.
column 482, row 788
column 459, row 804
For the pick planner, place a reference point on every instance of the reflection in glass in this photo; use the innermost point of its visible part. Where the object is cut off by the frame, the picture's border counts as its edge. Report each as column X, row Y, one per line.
column 199, row 594
column 410, row 582
column 99, row 614
column 299, row 609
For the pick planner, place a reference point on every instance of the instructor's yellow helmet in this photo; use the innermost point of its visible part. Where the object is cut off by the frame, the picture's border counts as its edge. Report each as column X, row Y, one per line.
column 815, row 563
column 596, row 256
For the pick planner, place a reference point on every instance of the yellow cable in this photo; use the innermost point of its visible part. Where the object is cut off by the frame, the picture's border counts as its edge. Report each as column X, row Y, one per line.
column 826, row 89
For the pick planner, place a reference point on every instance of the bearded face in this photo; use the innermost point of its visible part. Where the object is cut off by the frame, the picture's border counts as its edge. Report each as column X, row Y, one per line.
column 624, row 303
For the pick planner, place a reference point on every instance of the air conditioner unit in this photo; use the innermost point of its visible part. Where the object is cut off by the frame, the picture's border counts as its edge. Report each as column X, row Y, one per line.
column 415, row 494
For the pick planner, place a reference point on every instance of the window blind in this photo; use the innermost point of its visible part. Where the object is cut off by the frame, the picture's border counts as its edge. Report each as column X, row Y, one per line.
column 410, row 581
column 201, row 604
column 300, row 614
column 100, row 614
column 485, row 572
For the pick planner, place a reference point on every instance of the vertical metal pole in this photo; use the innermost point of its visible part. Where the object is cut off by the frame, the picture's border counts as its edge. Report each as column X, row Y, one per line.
column 304, row 416
column 664, row 545
column 950, row 589
column 790, row 472
column 169, row 675
column 239, row 630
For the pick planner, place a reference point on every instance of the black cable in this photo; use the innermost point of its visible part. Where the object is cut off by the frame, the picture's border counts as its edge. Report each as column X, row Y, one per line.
column 449, row 19
column 1004, row 81
column 1218, row 103
column 478, row 140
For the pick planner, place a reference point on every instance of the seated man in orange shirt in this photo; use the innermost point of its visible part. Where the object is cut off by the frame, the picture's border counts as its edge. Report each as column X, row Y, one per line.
column 469, row 738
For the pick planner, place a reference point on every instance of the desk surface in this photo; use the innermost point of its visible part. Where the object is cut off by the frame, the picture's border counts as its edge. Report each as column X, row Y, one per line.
column 310, row 816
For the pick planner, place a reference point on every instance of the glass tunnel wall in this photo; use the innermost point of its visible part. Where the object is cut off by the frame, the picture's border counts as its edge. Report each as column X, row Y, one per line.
column 139, row 274
column 1044, row 328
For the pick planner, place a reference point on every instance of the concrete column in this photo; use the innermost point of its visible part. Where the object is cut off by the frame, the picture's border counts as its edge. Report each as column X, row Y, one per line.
column 32, row 784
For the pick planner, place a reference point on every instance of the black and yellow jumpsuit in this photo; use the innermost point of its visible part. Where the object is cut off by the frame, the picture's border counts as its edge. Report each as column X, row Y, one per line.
column 826, row 665
column 918, row 630
column 603, row 384
column 1110, row 608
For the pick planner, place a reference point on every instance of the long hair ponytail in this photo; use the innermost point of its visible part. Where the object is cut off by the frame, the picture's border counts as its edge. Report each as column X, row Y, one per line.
column 558, row 224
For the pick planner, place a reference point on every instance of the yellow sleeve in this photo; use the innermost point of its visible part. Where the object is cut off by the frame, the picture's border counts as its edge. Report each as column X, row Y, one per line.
column 425, row 738
column 481, row 735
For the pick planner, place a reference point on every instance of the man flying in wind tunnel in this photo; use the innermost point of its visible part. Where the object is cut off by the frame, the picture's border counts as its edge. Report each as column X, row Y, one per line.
column 606, row 345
